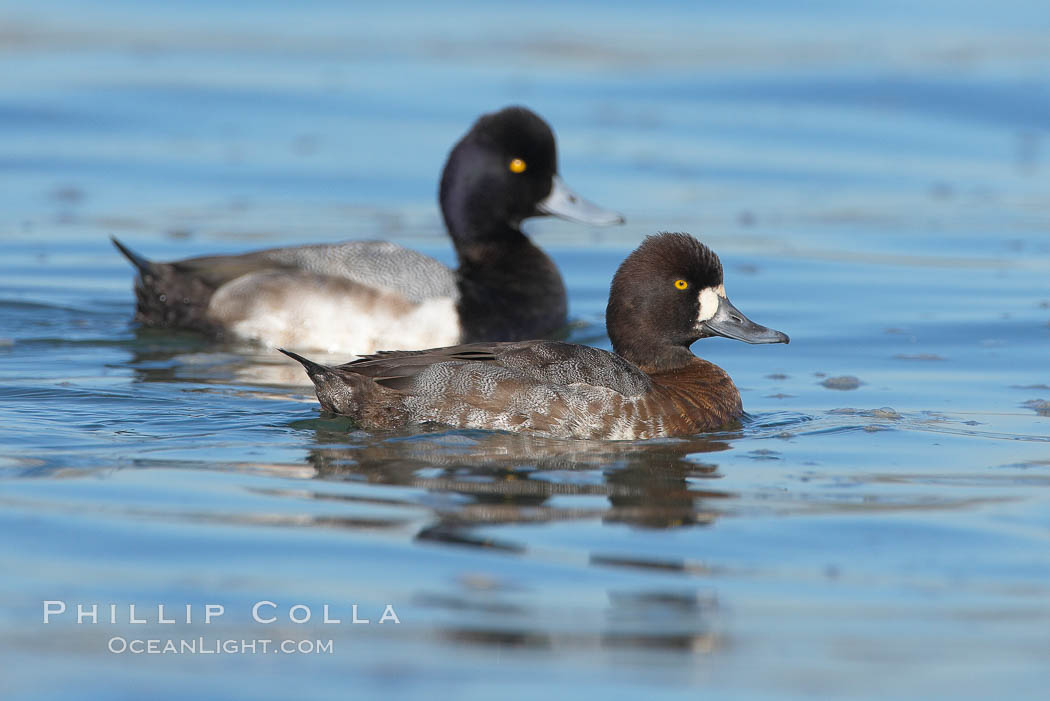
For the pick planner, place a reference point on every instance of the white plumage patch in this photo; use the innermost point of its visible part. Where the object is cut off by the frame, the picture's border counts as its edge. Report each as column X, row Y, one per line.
column 316, row 312
column 709, row 297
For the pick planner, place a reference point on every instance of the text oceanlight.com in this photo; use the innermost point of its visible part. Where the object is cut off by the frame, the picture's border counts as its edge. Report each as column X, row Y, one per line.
column 215, row 646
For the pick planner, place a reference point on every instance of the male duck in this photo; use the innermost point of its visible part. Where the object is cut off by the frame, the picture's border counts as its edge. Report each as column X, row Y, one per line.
column 667, row 294
column 360, row 296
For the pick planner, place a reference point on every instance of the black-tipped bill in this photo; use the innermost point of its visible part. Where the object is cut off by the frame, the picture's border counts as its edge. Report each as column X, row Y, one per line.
column 566, row 204
column 730, row 322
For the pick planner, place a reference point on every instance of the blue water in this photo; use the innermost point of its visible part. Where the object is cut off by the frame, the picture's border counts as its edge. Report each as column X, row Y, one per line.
column 875, row 180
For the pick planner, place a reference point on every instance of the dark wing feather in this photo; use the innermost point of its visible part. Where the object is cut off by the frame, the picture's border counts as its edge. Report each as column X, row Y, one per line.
column 480, row 352
column 543, row 362
column 399, row 369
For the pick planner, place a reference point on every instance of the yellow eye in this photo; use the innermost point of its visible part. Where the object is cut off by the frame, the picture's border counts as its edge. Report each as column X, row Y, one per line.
column 681, row 285
column 517, row 166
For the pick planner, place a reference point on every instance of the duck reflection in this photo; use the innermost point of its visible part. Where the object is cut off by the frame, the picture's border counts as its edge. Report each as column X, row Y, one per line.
column 513, row 478
column 170, row 356
column 661, row 620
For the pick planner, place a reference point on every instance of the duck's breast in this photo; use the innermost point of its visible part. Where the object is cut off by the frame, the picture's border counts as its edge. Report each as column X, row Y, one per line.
column 698, row 397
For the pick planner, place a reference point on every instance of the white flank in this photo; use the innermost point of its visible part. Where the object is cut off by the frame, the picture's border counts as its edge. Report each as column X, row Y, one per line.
column 333, row 319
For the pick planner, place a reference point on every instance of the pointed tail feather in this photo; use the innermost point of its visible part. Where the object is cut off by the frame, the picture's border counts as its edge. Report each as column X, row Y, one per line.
column 342, row 391
column 312, row 368
column 144, row 265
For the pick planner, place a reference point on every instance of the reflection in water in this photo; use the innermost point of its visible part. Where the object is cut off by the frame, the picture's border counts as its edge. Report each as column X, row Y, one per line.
column 472, row 481
column 681, row 620
column 695, row 643
column 513, row 478
column 160, row 355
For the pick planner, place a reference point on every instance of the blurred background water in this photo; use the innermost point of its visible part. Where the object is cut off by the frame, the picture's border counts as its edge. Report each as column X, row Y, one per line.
column 875, row 179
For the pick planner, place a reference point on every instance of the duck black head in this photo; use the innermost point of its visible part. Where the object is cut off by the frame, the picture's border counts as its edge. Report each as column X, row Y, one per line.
column 504, row 170
column 668, row 294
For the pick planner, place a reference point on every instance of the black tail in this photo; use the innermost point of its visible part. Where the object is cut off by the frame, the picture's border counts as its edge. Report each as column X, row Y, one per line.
column 312, row 369
column 168, row 298
column 144, row 266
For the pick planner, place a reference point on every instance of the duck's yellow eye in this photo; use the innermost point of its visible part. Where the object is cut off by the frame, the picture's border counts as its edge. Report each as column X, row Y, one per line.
column 517, row 165
column 681, row 285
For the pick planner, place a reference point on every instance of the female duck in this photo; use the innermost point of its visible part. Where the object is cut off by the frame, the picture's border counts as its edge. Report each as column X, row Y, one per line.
column 667, row 294
column 356, row 297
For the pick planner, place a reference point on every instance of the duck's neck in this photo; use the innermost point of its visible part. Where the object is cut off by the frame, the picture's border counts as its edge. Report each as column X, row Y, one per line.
column 636, row 338
column 653, row 359
column 509, row 289
column 698, row 394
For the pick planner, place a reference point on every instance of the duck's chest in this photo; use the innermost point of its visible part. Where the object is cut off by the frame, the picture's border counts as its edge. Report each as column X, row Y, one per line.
column 699, row 398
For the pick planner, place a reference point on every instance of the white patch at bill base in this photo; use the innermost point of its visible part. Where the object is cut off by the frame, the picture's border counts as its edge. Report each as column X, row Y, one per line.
column 709, row 300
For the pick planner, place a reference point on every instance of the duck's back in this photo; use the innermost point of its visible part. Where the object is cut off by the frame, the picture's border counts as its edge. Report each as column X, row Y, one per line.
column 380, row 265
column 437, row 371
